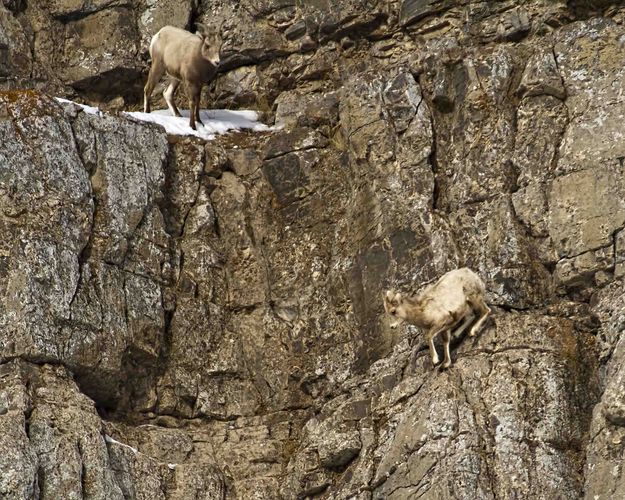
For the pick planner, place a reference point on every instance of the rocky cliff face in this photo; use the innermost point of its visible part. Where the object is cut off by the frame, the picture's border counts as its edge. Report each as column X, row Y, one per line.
column 184, row 319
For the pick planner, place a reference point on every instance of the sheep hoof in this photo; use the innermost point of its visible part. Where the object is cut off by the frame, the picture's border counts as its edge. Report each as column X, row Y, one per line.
column 446, row 364
column 435, row 361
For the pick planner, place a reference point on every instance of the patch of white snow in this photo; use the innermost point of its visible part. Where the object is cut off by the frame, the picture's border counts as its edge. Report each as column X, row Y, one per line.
column 216, row 121
column 109, row 439
column 87, row 109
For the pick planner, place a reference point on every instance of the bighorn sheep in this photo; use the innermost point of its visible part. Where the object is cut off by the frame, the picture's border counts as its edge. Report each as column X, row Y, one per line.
column 191, row 58
column 451, row 302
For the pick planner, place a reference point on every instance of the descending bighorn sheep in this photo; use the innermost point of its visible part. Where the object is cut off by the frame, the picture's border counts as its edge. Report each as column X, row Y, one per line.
column 451, row 302
column 184, row 56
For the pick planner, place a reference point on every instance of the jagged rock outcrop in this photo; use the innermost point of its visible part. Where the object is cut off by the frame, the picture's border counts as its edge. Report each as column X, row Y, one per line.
column 188, row 319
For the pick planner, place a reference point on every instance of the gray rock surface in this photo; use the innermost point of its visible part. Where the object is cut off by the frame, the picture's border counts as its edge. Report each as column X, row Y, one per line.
column 182, row 319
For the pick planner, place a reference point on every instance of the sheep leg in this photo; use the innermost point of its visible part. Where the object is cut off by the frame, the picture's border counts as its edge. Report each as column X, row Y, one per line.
column 484, row 310
column 197, row 109
column 447, row 336
column 156, row 72
column 467, row 319
column 446, row 342
column 169, row 95
column 431, row 334
column 194, row 101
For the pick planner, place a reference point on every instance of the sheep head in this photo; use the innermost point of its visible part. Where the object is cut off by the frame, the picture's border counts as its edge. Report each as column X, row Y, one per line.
column 211, row 43
column 392, row 301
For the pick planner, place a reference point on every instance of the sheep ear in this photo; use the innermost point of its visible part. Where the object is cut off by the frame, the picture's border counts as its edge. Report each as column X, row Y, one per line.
column 398, row 297
column 201, row 30
column 389, row 295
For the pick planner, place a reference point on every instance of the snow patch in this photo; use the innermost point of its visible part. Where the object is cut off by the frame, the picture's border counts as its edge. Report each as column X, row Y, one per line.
column 216, row 121
column 87, row 109
column 109, row 439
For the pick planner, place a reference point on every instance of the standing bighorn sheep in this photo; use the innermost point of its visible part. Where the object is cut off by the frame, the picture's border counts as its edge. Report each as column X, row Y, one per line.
column 191, row 58
column 451, row 302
